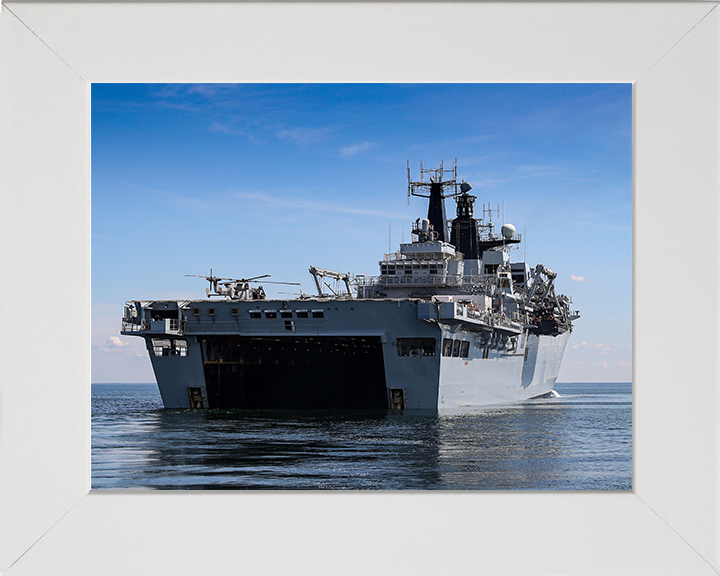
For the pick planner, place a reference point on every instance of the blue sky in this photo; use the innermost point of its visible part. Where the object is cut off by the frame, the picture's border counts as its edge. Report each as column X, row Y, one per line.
column 255, row 179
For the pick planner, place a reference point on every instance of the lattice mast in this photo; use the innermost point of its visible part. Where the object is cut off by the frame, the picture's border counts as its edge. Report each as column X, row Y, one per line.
column 437, row 188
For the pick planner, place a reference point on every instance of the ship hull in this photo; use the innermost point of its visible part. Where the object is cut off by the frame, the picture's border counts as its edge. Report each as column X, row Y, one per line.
column 345, row 354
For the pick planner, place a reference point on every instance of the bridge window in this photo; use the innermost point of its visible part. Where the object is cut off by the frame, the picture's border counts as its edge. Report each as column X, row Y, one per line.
column 464, row 349
column 416, row 346
column 447, row 347
column 456, row 349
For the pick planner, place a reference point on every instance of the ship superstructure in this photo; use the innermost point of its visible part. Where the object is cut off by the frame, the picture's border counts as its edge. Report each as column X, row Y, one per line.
column 450, row 322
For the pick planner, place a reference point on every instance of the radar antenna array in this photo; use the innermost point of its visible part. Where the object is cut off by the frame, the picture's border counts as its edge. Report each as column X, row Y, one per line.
column 421, row 187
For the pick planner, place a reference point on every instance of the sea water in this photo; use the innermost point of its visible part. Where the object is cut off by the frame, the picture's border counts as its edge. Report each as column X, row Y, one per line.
column 581, row 440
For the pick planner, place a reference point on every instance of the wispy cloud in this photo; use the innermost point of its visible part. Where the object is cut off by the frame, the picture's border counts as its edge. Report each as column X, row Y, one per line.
column 225, row 129
column 578, row 278
column 541, row 170
column 355, row 149
column 283, row 202
column 303, row 136
column 601, row 348
column 211, row 90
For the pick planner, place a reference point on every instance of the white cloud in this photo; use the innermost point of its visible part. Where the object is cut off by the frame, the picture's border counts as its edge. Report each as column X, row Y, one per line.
column 115, row 343
column 578, row 278
column 623, row 363
column 355, row 149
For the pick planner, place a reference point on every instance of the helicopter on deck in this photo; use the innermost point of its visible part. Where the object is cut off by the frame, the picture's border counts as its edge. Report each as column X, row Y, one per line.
column 236, row 288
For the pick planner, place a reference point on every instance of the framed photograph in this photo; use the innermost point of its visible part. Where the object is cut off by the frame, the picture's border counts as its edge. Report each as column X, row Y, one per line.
column 51, row 53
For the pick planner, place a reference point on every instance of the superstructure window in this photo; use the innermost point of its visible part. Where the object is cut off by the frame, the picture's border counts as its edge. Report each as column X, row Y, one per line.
column 272, row 314
column 166, row 347
column 234, row 311
column 456, row 349
column 416, row 346
column 196, row 311
column 255, row 314
column 318, row 314
column 286, row 314
column 211, row 311
column 301, row 313
column 447, row 347
column 464, row 349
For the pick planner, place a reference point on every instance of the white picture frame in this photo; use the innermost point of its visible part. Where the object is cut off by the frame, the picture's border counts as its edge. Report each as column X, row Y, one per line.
column 50, row 522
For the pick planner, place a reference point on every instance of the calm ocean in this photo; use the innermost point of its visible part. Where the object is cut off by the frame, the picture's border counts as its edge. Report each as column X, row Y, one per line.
column 579, row 441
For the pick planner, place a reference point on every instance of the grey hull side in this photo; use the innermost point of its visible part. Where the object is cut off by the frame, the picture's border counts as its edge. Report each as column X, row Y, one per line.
column 428, row 380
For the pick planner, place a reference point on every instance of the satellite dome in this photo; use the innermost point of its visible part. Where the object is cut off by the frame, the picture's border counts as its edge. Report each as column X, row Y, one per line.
column 508, row 231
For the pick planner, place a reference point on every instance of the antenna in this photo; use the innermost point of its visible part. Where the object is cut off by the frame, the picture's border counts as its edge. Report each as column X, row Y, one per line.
column 389, row 236
column 524, row 238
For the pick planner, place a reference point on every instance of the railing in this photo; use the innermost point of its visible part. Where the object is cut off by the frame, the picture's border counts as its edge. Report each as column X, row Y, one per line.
column 430, row 279
column 129, row 326
column 165, row 325
column 490, row 318
column 411, row 256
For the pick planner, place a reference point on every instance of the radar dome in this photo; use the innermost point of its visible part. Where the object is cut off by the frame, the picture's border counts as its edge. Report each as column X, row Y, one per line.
column 508, row 231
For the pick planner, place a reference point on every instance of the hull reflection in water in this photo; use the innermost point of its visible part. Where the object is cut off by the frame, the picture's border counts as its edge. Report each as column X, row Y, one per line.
column 579, row 441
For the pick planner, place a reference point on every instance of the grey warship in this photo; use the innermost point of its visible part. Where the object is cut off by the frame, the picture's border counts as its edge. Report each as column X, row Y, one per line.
column 450, row 322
